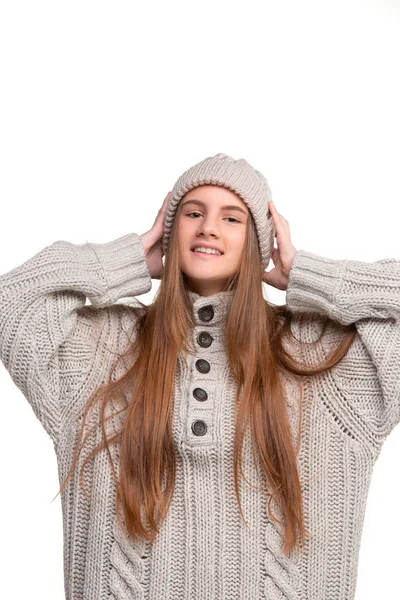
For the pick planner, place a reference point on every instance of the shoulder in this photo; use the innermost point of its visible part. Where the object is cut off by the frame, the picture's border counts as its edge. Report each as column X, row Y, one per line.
column 114, row 326
column 99, row 336
column 90, row 355
column 313, row 336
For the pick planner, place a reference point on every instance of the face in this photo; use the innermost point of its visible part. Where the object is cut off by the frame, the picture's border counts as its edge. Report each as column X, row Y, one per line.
column 213, row 216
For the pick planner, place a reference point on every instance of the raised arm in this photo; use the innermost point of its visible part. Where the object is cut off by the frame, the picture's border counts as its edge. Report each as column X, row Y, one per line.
column 368, row 295
column 38, row 304
column 345, row 290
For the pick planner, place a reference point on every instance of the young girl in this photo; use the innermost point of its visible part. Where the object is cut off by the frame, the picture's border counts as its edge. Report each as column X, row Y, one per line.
column 211, row 445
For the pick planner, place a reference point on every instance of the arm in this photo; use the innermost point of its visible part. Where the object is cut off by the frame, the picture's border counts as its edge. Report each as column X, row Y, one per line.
column 368, row 295
column 38, row 304
column 345, row 290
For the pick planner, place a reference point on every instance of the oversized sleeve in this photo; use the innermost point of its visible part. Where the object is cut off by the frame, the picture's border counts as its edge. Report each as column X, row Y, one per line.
column 38, row 304
column 368, row 295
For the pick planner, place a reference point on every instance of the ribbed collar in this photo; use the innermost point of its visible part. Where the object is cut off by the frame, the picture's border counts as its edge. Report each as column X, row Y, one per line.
column 220, row 303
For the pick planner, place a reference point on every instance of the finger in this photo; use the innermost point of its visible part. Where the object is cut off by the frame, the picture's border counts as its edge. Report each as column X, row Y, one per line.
column 276, row 257
column 275, row 253
column 162, row 210
column 276, row 218
column 165, row 202
column 280, row 222
column 274, row 212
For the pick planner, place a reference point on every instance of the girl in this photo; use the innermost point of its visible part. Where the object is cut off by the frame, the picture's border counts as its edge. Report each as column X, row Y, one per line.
column 227, row 452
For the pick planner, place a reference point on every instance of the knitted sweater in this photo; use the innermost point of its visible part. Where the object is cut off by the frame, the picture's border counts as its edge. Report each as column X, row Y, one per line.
column 58, row 353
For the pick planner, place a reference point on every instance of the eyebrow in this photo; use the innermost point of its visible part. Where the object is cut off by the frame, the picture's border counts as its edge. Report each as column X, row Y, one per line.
column 226, row 207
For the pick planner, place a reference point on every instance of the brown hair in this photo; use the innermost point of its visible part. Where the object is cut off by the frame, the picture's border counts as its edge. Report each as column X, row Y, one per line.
column 147, row 453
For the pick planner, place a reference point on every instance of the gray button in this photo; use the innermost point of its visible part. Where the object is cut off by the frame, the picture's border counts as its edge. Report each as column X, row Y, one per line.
column 206, row 313
column 203, row 366
column 200, row 394
column 199, row 428
column 204, row 339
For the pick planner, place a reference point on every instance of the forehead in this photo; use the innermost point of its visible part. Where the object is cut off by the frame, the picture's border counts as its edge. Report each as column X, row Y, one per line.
column 215, row 194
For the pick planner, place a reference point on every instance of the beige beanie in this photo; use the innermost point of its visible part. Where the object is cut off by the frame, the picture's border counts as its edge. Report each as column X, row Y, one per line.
column 240, row 177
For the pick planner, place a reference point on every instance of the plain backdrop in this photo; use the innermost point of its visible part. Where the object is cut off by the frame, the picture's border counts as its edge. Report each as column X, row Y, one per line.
column 104, row 104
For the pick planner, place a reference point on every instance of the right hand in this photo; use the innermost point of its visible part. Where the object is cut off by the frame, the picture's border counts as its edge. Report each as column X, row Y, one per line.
column 152, row 243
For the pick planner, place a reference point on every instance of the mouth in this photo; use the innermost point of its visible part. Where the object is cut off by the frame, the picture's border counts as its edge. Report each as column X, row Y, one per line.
column 206, row 255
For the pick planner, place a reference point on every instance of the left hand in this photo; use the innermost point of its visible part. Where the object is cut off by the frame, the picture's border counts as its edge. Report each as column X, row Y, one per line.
column 282, row 256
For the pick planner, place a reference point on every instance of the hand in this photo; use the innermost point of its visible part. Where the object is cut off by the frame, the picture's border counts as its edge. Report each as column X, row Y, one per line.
column 282, row 256
column 152, row 243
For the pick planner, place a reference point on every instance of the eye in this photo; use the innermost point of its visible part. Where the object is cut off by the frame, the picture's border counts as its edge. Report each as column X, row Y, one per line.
column 196, row 213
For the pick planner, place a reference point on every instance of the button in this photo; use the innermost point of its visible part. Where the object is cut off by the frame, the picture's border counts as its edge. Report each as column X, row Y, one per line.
column 203, row 366
column 206, row 313
column 200, row 394
column 204, row 339
column 199, row 428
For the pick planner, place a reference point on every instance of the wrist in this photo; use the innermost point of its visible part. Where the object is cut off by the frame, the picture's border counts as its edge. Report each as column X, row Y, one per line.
column 144, row 243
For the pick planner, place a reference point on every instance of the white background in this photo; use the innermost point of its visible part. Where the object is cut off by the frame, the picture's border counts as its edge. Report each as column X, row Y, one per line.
column 104, row 104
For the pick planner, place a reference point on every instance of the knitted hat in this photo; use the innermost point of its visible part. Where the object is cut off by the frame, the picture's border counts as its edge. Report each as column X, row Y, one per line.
column 238, row 176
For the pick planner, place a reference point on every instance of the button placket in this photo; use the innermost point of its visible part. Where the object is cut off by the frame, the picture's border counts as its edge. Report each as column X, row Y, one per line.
column 199, row 427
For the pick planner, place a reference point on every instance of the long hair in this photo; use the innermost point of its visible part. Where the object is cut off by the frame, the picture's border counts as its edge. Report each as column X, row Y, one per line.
column 147, row 460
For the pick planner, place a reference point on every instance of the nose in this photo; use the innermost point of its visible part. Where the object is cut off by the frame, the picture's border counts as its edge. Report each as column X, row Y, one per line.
column 208, row 227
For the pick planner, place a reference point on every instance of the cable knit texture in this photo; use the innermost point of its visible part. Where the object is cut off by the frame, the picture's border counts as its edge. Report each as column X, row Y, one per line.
column 58, row 353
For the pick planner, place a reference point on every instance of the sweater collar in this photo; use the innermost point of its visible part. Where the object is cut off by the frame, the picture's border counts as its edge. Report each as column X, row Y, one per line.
column 220, row 303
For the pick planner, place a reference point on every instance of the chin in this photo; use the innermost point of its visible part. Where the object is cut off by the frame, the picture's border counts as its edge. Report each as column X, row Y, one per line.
column 214, row 277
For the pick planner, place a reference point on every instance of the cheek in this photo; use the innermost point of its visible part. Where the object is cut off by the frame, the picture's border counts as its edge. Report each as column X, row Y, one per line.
column 182, row 230
column 185, row 235
column 237, row 240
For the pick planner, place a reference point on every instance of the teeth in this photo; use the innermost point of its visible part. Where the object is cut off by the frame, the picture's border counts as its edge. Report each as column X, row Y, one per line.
column 207, row 250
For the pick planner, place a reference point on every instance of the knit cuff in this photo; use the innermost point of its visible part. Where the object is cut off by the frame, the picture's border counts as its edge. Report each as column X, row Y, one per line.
column 313, row 283
column 124, row 266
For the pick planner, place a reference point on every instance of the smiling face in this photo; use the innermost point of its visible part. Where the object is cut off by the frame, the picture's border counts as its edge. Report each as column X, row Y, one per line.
column 211, row 215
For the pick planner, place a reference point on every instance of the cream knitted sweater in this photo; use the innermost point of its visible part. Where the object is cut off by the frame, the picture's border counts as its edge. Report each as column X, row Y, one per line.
column 57, row 354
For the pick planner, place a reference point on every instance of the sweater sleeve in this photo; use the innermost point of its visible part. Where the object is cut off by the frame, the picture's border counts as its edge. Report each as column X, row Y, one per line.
column 38, row 304
column 368, row 295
